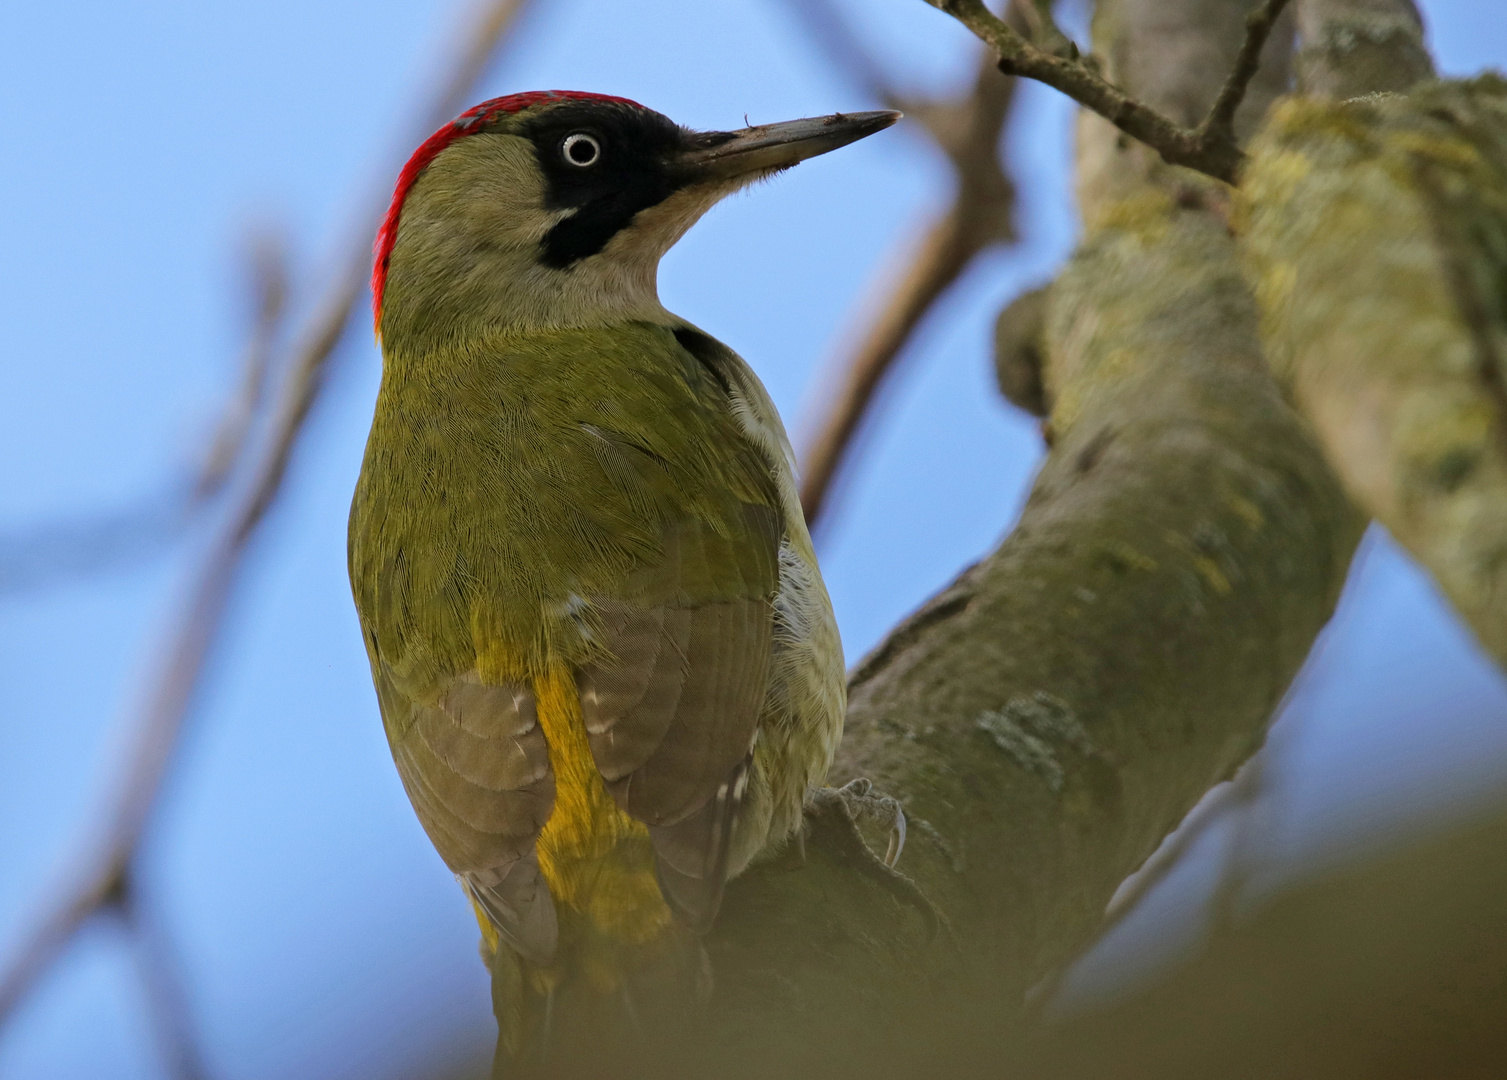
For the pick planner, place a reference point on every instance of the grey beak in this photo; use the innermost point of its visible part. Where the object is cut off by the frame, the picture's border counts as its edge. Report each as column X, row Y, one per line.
column 721, row 155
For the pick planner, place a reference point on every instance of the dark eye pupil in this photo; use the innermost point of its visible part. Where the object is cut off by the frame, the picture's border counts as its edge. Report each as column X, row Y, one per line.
column 581, row 149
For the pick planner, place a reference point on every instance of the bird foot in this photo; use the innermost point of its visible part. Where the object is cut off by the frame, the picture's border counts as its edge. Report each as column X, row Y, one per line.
column 866, row 804
column 846, row 807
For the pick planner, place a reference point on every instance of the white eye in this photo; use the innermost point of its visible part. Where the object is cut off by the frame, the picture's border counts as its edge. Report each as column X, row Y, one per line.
column 581, row 150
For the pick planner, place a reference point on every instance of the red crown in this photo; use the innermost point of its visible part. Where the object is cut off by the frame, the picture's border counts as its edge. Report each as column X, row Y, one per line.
column 468, row 122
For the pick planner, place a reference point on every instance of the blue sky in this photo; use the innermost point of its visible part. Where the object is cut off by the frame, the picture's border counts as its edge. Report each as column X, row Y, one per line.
column 320, row 934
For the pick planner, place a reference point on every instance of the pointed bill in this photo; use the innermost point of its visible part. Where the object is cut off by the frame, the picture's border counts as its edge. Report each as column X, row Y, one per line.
column 723, row 155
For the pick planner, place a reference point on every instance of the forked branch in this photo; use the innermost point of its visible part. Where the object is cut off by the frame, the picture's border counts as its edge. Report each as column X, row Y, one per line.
column 1210, row 148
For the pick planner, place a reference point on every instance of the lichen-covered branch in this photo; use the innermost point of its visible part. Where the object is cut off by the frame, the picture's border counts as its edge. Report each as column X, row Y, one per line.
column 1377, row 229
column 1357, row 47
column 1209, row 147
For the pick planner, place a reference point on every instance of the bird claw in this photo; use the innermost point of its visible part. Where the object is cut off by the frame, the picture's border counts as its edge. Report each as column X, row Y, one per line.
column 864, row 803
column 856, row 801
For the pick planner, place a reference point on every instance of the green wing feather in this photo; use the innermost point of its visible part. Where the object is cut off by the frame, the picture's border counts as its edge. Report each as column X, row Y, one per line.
column 579, row 497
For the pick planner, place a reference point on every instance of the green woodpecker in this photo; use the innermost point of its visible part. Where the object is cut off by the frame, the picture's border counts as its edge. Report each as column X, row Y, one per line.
column 605, row 659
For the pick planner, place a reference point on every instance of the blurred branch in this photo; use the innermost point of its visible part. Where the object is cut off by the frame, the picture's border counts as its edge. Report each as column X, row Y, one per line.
column 65, row 550
column 162, row 980
column 1387, row 969
column 60, row 551
column 1209, row 148
column 269, row 289
column 160, row 721
column 969, row 131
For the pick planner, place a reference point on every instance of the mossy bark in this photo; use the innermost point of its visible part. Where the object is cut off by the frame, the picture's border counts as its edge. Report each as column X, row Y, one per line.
column 1377, row 231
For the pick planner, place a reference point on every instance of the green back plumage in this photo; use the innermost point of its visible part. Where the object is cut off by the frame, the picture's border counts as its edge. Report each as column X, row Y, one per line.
column 509, row 478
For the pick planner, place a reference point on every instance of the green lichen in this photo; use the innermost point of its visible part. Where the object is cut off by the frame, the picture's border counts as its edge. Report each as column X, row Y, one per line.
column 1376, row 233
column 1032, row 729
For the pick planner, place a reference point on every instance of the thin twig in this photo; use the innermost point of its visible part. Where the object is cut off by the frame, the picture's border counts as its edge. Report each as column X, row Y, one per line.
column 62, row 551
column 162, row 980
column 1210, row 148
column 979, row 217
column 172, row 690
column 269, row 290
column 1220, row 123
column 1045, row 32
column 70, row 549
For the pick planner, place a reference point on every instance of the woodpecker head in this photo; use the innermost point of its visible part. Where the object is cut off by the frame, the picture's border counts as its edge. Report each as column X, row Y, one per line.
column 552, row 209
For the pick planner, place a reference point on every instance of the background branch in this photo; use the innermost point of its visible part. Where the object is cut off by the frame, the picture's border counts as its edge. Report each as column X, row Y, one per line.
column 171, row 689
column 67, row 550
column 161, row 978
column 969, row 131
column 269, row 289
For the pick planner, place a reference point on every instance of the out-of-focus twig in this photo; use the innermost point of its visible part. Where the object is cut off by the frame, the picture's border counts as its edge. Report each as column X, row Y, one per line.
column 162, row 980
column 1045, row 32
column 269, row 290
column 1210, row 147
column 61, row 551
column 181, row 664
column 969, row 131
column 66, row 550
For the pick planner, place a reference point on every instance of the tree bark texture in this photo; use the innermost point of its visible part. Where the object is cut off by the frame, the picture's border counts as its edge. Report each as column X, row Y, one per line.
column 1377, row 230
column 1355, row 47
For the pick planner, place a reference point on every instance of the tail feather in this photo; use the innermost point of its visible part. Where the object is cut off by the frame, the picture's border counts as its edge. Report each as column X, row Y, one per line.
column 517, row 903
column 690, row 857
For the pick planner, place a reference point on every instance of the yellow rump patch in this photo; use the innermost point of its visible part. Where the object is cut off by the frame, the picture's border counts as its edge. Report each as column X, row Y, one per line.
column 596, row 859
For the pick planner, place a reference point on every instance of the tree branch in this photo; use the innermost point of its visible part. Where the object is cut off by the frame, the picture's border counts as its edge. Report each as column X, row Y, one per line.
column 1376, row 229
column 969, row 131
column 1381, row 970
column 1219, row 124
column 172, row 689
column 70, row 549
column 1356, row 47
column 162, row 980
column 1209, row 148
column 269, row 290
